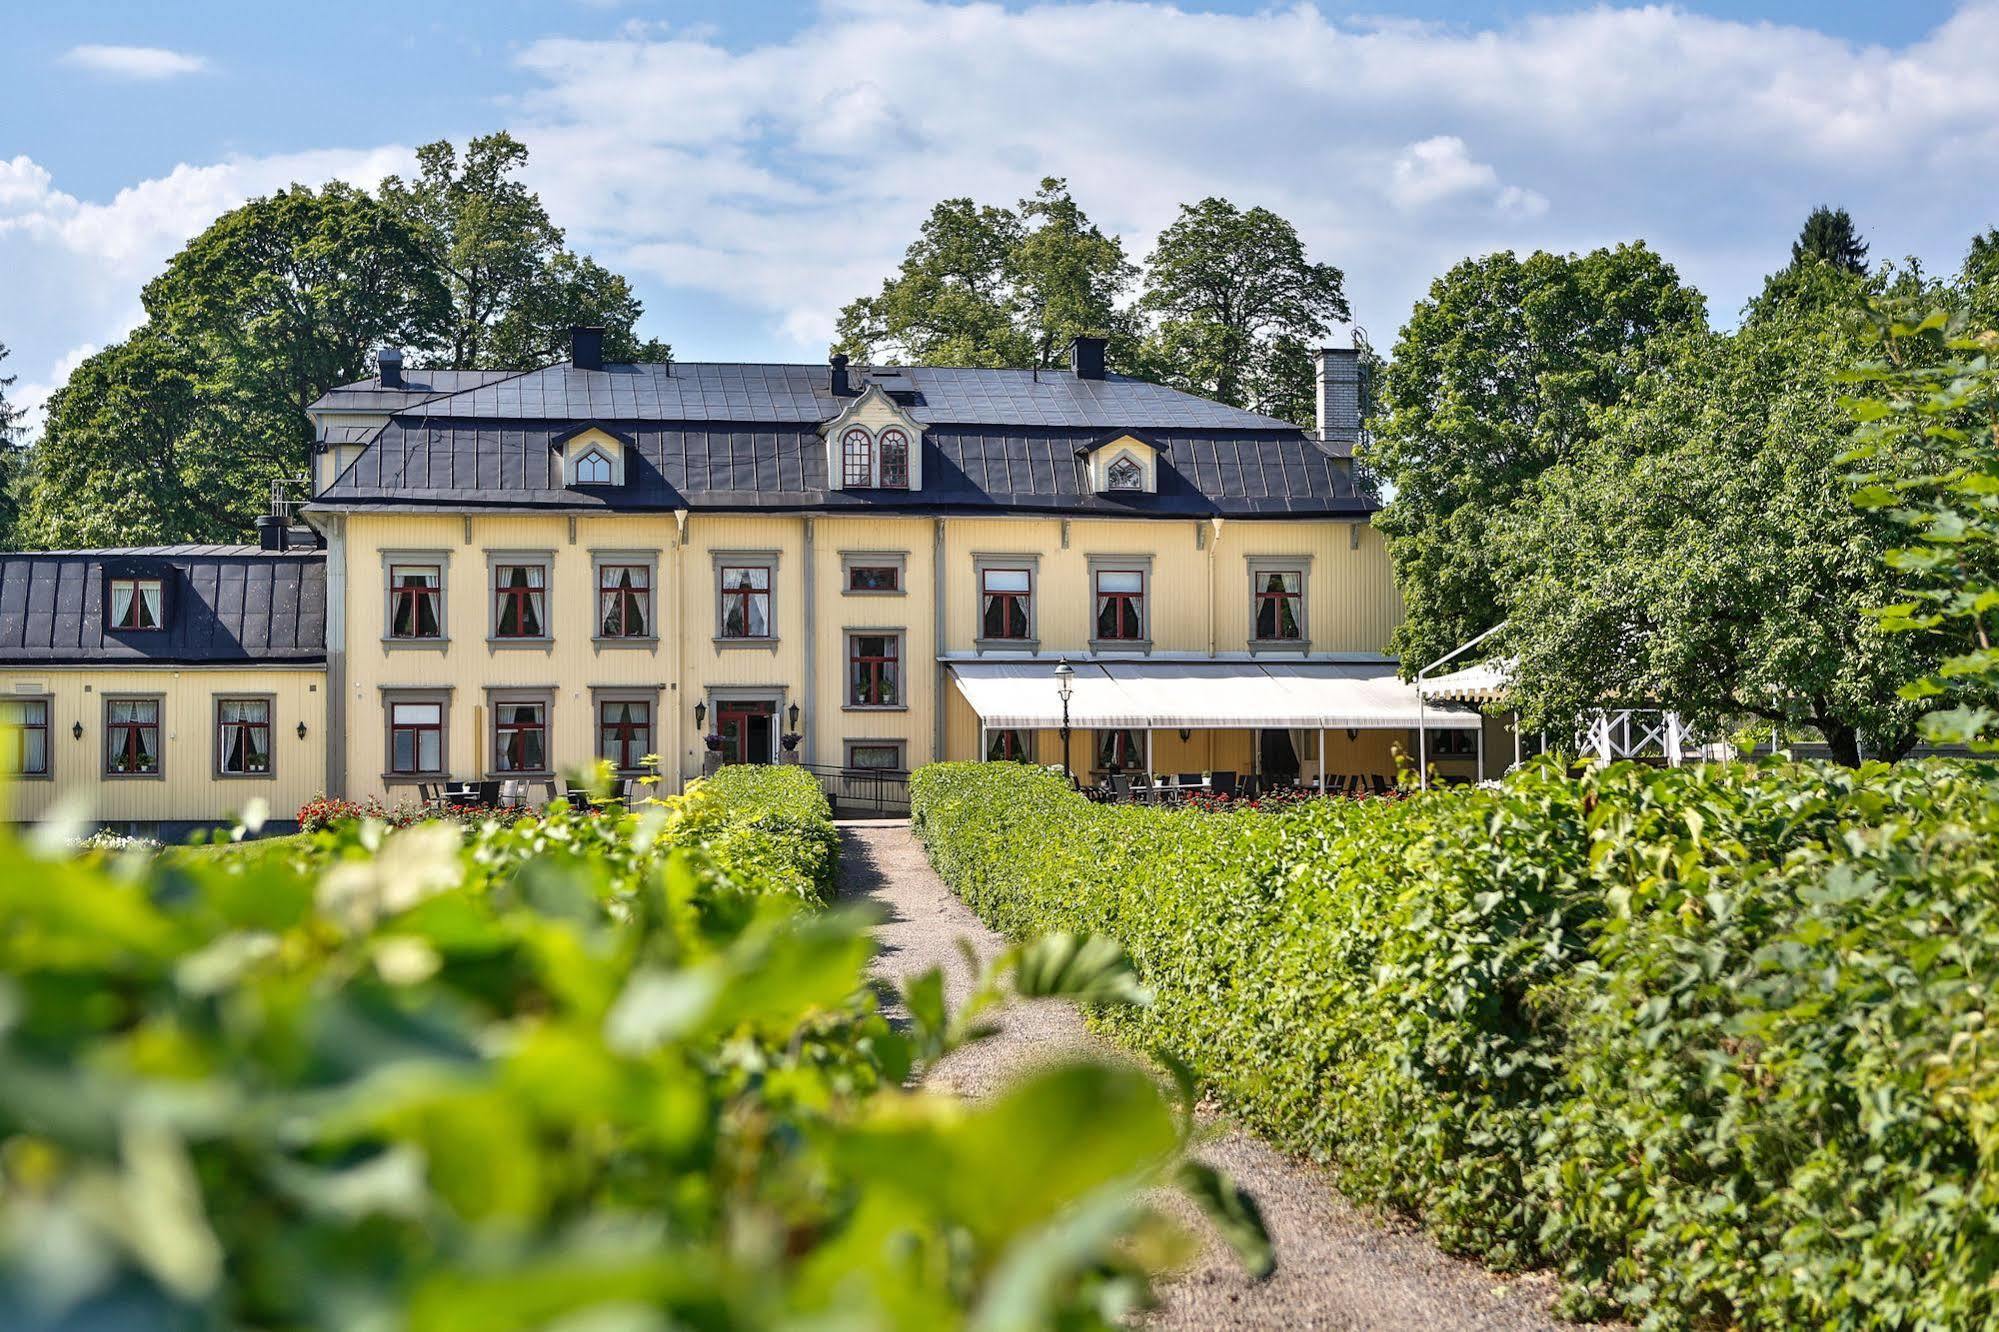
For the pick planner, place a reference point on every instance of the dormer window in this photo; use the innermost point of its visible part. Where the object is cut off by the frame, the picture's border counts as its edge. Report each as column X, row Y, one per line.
column 1126, row 475
column 873, row 444
column 594, row 469
column 894, row 460
column 593, row 455
column 137, row 603
column 1124, row 464
column 857, row 458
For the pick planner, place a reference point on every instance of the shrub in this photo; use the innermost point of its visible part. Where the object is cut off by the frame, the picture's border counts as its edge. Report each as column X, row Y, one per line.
column 564, row 1070
column 1710, row 1039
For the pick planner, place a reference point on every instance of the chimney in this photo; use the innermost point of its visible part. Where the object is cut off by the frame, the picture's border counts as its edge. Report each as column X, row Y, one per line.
column 586, row 348
column 1086, row 357
column 272, row 532
column 841, row 387
column 1339, row 397
column 389, row 367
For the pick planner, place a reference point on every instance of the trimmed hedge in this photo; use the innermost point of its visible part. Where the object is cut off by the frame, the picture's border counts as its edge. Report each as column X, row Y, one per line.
column 1711, row 1040
column 775, row 821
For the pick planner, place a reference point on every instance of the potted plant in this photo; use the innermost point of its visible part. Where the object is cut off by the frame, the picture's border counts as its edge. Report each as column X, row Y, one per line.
column 790, row 741
column 714, row 742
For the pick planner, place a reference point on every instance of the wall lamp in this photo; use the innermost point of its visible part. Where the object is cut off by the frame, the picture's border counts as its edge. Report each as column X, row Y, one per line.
column 1185, row 735
column 792, row 715
column 700, row 713
column 77, row 730
column 301, row 730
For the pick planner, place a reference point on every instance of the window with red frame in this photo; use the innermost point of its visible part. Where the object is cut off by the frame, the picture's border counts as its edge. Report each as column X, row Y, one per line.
column 1007, row 747
column 1278, row 600
column 132, row 737
column 894, row 460
column 137, row 603
column 24, row 737
column 520, row 601
column 243, row 737
column 624, row 600
column 624, row 732
column 416, row 601
column 1123, row 750
column 746, row 601
column 1007, row 596
column 520, row 737
column 874, row 676
column 857, row 458
column 1120, row 604
column 416, row 738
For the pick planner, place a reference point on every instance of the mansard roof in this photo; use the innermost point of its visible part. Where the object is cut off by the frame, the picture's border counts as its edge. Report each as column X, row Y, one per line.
column 715, row 435
column 223, row 605
column 1016, row 468
column 713, row 392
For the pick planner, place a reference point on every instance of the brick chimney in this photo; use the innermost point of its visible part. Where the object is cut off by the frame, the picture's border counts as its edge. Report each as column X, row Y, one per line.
column 1339, row 397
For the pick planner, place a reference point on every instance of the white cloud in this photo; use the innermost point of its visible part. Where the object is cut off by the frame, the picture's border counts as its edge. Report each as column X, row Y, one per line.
column 779, row 180
column 134, row 62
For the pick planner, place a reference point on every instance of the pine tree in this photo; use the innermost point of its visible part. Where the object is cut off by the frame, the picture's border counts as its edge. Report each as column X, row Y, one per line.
column 1830, row 236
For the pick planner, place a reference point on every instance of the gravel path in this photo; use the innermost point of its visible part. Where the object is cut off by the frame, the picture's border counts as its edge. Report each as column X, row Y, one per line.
column 1337, row 1266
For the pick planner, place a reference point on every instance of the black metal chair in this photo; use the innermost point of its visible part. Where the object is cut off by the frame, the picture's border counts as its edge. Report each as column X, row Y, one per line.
column 1120, row 786
column 488, row 794
column 1223, row 783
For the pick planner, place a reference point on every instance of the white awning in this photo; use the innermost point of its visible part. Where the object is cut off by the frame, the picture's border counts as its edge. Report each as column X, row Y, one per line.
column 1483, row 683
column 1205, row 695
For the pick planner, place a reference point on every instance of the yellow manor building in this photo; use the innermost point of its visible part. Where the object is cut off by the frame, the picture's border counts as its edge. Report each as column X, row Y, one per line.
column 501, row 576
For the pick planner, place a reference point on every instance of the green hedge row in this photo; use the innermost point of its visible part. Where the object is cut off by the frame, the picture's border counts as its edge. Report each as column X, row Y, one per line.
column 1713, row 1040
column 775, row 821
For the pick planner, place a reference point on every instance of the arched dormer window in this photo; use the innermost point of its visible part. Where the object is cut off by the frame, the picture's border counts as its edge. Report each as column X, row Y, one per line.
column 894, row 459
column 594, row 469
column 857, row 458
column 1125, row 474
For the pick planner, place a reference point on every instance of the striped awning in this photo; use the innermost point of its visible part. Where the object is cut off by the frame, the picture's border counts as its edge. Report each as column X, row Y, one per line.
column 1483, row 683
column 1204, row 695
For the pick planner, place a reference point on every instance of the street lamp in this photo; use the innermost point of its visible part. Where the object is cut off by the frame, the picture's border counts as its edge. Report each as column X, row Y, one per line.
column 1064, row 686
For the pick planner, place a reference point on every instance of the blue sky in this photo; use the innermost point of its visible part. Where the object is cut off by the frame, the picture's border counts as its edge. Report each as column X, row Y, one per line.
column 754, row 165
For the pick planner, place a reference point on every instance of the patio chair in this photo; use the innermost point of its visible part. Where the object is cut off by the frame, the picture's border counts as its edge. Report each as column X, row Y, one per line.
column 429, row 794
column 1250, row 787
column 1223, row 783
column 488, row 794
column 1120, row 786
column 1189, row 779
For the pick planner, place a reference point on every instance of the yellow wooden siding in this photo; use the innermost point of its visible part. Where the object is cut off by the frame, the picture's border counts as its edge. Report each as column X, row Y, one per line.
column 187, row 789
column 831, row 723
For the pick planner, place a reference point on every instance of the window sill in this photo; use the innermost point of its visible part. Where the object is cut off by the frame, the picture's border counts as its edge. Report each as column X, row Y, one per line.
column 414, row 778
column 874, row 592
column 767, row 644
column 1006, row 644
column 635, row 643
column 543, row 644
column 874, row 707
column 1298, row 646
column 245, row 776
column 1135, row 646
column 135, row 776
column 415, row 644
column 547, row 775
column 30, row 776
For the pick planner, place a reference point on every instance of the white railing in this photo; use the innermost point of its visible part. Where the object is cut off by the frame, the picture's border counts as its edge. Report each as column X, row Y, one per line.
column 1646, row 734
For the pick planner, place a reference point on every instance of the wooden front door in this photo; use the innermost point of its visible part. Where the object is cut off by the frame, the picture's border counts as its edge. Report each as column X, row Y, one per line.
column 745, row 729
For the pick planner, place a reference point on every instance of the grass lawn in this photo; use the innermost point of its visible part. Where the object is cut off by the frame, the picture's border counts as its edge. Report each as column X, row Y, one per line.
column 247, row 852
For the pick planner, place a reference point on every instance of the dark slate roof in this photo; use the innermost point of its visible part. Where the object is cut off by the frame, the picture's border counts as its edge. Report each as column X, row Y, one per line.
column 714, row 392
column 223, row 604
column 419, row 386
column 1203, row 472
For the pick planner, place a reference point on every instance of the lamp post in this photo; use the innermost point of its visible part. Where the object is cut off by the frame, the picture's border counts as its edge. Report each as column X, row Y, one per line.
column 1064, row 686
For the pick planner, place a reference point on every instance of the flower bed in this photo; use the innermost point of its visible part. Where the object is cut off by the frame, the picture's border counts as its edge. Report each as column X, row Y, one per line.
column 1712, row 1040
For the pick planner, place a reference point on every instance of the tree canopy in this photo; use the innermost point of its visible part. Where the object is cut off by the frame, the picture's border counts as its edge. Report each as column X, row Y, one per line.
column 1830, row 237
column 514, row 290
column 1705, row 551
column 1238, row 307
column 1229, row 305
column 989, row 286
column 176, row 433
column 1500, row 374
column 11, row 468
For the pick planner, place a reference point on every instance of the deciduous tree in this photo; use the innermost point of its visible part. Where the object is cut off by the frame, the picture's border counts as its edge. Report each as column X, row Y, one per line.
column 1238, row 307
column 989, row 286
column 1498, row 375
column 514, row 290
